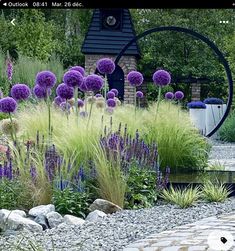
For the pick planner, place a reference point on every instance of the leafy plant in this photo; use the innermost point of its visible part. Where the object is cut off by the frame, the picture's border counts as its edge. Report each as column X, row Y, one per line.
column 182, row 197
column 227, row 131
column 68, row 201
column 215, row 166
column 215, row 192
column 141, row 189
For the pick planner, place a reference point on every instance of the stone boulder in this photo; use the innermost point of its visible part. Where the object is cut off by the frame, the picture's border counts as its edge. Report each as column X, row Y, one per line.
column 19, row 212
column 73, row 220
column 104, row 206
column 14, row 221
column 95, row 215
column 41, row 210
column 42, row 221
column 54, row 219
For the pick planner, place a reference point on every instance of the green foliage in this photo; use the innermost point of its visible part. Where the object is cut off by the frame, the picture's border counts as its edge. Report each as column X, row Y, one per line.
column 72, row 202
column 13, row 195
column 181, row 197
column 141, row 188
column 215, row 166
column 227, row 130
column 215, row 192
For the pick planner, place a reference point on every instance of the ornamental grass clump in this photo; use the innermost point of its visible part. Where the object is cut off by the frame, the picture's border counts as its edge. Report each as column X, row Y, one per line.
column 215, row 192
column 182, row 197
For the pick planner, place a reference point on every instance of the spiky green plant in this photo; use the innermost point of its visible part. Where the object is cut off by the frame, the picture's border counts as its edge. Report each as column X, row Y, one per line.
column 181, row 197
column 215, row 192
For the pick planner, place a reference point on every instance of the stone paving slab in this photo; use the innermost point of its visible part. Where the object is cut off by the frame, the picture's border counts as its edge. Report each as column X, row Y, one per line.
column 190, row 237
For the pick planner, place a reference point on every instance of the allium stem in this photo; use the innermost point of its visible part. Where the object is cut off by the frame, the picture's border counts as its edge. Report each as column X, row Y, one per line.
column 90, row 110
column 105, row 87
column 76, row 102
column 49, row 114
column 85, row 101
column 12, row 132
column 158, row 100
column 67, row 111
column 135, row 100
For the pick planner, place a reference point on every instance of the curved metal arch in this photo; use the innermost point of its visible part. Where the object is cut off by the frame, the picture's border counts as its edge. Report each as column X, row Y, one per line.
column 205, row 40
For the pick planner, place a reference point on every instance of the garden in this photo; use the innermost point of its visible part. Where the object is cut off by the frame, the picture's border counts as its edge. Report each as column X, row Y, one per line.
column 77, row 162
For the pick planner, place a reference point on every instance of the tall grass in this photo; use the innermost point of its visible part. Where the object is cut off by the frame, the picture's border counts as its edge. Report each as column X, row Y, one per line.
column 180, row 146
column 110, row 179
column 227, row 131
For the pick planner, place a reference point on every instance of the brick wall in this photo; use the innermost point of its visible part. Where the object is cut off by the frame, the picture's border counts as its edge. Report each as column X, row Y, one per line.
column 127, row 63
column 196, row 91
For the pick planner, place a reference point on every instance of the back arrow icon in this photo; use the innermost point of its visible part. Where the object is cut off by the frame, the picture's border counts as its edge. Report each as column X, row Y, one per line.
column 12, row 21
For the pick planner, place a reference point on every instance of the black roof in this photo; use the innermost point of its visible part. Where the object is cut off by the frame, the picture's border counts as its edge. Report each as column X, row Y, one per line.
column 101, row 41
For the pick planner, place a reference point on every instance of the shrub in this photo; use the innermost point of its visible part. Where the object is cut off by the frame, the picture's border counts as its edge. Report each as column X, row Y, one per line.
column 182, row 197
column 227, row 130
column 215, row 192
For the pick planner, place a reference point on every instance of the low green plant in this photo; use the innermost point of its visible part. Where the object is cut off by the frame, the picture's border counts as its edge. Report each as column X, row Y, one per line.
column 215, row 192
column 14, row 195
column 181, row 197
column 141, row 188
column 215, row 166
column 68, row 201
column 227, row 131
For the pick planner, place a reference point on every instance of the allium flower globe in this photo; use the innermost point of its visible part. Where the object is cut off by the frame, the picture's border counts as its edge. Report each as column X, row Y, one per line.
column 135, row 78
column 41, row 92
column 118, row 102
column 109, row 110
column 179, row 95
column 65, row 106
column 80, row 103
column 83, row 114
column 8, row 105
column 71, row 101
column 111, row 103
column 20, row 92
column 73, row 78
column 79, row 69
column 9, row 126
column 139, row 94
column 83, row 86
column 91, row 100
column 115, row 91
column 110, row 94
column 45, row 79
column 100, row 103
column 64, row 91
column 58, row 100
column 169, row 95
column 94, row 82
column 98, row 95
column 161, row 78
column 105, row 66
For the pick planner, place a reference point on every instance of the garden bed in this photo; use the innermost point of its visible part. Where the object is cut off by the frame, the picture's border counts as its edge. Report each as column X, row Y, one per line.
column 116, row 231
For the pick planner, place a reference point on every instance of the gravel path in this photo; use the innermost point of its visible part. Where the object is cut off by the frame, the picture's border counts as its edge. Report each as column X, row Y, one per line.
column 116, row 231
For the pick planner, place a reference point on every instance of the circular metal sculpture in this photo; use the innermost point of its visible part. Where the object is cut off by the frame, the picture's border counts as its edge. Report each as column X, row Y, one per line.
column 205, row 40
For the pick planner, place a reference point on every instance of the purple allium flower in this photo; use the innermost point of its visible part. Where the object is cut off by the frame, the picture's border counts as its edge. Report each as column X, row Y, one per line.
column 41, row 92
column 213, row 101
column 196, row 105
column 9, row 69
column 80, row 103
column 20, row 92
column 179, row 95
column 58, row 100
column 111, row 103
column 139, row 94
column 79, row 69
column 105, row 66
column 8, row 105
column 115, row 91
column 135, row 78
column 110, row 94
column 98, row 95
column 73, row 78
column 65, row 106
column 162, row 78
column 94, row 83
column 169, row 95
column 83, row 114
column 45, row 79
column 64, row 91
column 83, row 86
